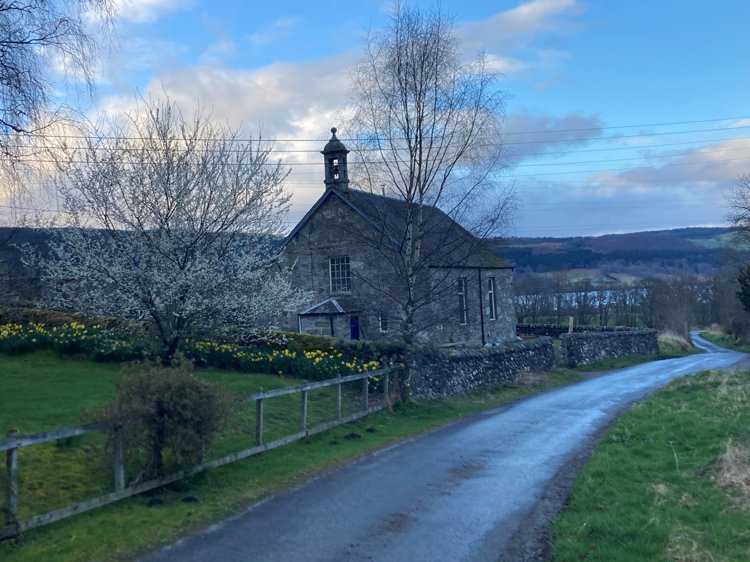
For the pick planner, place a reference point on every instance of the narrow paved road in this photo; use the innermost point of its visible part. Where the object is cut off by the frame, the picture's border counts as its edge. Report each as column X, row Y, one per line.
column 459, row 493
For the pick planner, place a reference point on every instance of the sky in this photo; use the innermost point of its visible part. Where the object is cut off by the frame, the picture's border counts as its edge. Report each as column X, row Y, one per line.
column 621, row 116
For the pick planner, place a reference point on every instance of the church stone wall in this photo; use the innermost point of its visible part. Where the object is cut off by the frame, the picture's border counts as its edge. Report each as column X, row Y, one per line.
column 334, row 229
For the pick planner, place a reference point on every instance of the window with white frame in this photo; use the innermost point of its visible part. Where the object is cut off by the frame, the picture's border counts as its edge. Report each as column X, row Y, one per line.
column 461, row 293
column 383, row 318
column 341, row 275
column 491, row 301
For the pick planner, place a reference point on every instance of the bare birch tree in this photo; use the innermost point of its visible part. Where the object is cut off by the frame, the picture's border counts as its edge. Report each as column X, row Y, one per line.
column 171, row 223
column 427, row 131
column 43, row 44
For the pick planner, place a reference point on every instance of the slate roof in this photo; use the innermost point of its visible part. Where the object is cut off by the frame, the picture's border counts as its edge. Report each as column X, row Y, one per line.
column 446, row 243
column 330, row 306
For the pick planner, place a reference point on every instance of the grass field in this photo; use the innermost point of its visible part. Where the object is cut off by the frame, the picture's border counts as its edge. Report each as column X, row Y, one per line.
column 58, row 389
column 669, row 481
column 43, row 391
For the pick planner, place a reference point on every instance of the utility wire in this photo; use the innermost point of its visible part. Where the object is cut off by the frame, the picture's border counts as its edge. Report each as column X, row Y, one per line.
column 514, row 133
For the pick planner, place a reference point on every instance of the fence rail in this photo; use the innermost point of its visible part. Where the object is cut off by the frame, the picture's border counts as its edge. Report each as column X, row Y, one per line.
column 13, row 526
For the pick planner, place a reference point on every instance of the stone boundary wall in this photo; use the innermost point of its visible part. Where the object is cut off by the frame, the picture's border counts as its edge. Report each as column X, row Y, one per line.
column 589, row 347
column 439, row 373
column 555, row 330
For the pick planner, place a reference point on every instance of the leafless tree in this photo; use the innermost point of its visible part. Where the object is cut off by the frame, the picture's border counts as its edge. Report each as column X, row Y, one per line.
column 48, row 55
column 560, row 288
column 427, row 131
column 532, row 297
column 739, row 202
column 603, row 304
column 583, row 297
column 170, row 224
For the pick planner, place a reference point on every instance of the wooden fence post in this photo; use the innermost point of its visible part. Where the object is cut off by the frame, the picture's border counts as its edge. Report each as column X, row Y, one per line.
column 338, row 400
column 11, row 465
column 118, row 465
column 386, row 393
column 303, row 415
column 259, row 421
column 366, row 393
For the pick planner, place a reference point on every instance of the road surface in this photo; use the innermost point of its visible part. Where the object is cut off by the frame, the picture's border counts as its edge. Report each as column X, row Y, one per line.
column 464, row 492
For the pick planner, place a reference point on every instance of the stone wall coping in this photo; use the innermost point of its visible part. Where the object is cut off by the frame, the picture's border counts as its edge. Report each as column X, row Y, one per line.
column 584, row 328
column 500, row 349
column 619, row 333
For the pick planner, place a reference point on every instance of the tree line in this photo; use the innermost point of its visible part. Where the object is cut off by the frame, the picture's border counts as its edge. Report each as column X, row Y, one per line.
column 676, row 304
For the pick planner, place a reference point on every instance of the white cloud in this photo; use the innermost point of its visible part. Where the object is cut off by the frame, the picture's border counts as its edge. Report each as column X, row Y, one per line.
column 135, row 55
column 276, row 31
column 147, row 11
column 218, row 51
column 529, row 135
column 291, row 102
column 666, row 189
column 713, row 166
column 507, row 66
column 507, row 30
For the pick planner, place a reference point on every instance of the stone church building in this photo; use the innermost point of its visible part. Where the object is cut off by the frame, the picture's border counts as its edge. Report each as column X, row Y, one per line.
column 347, row 253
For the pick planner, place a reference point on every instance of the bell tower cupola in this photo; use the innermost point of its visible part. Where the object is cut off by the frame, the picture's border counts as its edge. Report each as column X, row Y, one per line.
column 334, row 154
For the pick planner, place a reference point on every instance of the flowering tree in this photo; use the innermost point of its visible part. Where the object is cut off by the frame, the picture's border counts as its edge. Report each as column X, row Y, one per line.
column 170, row 221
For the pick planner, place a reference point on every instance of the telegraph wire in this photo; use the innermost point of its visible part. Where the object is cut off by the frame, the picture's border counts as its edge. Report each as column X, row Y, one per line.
column 512, row 133
column 317, row 164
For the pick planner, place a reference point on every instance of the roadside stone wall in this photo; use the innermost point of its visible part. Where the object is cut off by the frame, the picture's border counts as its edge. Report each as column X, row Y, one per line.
column 555, row 330
column 440, row 373
column 589, row 347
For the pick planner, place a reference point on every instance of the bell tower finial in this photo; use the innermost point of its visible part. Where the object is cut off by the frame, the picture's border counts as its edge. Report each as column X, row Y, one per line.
column 336, row 172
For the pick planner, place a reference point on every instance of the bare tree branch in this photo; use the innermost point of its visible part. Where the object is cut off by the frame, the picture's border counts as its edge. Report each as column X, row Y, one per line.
column 431, row 126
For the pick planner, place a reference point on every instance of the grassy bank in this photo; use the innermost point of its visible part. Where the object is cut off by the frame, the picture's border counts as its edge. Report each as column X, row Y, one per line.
column 669, row 481
column 728, row 341
column 42, row 391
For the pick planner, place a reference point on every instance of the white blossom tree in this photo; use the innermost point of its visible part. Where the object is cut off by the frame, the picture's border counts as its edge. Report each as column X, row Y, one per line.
column 171, row 222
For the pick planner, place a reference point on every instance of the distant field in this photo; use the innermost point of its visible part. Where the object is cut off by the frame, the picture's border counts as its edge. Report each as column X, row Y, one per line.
column 725, row 240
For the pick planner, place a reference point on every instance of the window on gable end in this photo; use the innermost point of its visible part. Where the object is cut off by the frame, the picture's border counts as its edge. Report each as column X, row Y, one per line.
column 491, row 299
column 341, row 276
column 462, row 307
column 383, row 319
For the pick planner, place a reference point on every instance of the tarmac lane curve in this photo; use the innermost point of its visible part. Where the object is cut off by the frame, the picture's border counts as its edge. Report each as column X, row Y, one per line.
column 465, row 492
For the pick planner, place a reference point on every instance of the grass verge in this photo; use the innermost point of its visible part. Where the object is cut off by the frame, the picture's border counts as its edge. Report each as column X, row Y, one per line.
column 668, row 481
column 727, row 341
column 59, row 388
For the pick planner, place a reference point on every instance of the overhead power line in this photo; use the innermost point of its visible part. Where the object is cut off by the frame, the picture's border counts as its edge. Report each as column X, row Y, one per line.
column 535, row 165
column 513, row 133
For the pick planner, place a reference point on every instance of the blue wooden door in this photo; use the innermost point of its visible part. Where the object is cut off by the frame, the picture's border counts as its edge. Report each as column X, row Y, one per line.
column 354, row 327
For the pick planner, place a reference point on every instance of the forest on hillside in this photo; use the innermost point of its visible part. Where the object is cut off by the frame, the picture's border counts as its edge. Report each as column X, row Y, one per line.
column 698, row 251
column 668, row 280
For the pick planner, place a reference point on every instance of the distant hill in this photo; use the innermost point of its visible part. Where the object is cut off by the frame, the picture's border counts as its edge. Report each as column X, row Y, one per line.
column 698, row 251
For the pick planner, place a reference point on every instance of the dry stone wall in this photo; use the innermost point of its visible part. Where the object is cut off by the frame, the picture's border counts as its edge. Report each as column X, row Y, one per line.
column 589, row 347
column 556, row 330
column 440, row 373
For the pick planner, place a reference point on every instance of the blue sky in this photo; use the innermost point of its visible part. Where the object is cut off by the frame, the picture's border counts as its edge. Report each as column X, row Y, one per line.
column 621, row 115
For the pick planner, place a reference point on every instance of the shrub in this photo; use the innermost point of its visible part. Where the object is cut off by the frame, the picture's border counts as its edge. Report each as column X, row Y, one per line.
column 21, row 315
column 169, row 417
